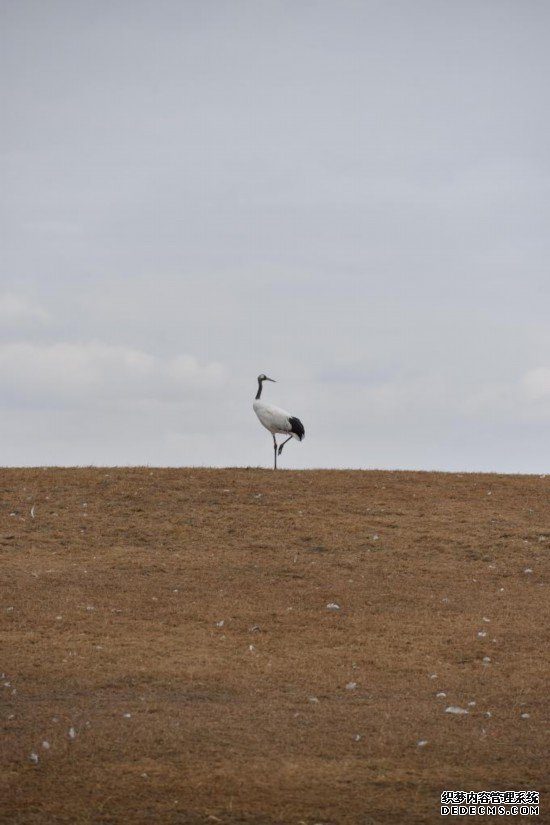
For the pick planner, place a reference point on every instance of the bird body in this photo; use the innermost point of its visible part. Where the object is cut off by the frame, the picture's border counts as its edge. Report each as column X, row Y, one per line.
column 277, row 420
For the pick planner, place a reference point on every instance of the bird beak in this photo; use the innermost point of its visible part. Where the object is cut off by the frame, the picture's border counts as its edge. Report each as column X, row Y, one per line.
column 270, row 379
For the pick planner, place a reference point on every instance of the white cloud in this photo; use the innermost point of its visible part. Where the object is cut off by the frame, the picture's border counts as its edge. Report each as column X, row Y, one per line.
column 17, row 309
column 68, row 373
column 525, row 399
column 536, row 383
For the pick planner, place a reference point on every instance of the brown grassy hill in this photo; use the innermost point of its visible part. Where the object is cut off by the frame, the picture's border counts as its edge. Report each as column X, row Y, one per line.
column 169, row 653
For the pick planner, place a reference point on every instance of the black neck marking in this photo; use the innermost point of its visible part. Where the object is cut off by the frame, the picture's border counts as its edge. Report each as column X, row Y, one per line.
column 260, row 385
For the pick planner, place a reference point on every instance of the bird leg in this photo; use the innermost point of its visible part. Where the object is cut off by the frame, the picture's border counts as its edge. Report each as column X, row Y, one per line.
column 283, row 444
column 275, row 451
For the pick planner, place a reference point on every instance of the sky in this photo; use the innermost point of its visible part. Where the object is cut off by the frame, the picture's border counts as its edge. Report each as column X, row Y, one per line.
column 351, row 197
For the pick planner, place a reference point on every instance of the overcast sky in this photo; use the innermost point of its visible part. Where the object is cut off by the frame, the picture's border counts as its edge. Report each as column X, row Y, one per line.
column 352, row 197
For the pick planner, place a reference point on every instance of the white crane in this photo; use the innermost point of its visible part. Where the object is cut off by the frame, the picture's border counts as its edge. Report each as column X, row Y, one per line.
column 276, row 420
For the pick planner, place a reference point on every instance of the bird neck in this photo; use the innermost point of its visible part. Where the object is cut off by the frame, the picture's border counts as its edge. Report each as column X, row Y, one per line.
column 260, row 386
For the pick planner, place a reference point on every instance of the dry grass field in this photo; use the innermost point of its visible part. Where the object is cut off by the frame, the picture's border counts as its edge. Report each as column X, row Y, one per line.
column 169, row 653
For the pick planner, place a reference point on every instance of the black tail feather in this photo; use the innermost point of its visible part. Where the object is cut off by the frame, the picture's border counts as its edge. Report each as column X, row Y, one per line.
column 297, row 427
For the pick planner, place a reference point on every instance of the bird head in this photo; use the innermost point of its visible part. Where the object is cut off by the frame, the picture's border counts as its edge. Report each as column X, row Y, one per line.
column 263, row 377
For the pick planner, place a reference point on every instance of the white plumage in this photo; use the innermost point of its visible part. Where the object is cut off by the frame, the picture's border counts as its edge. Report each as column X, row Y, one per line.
column 277, row 420
column 274, row 419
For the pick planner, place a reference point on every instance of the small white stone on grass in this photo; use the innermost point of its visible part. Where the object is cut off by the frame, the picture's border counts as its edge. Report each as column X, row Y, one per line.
column 351, row 685
column 220, row 623
column 357, row 737
column 127, row 715
column 333, row 606
column 422, row 743
column 440, row 695
column 33, row 757
column 485, row 619
column 482, row 633
column 457, row 711
column 46, row 745
column 314, row 700
column 486, row 660
column 433, row 676
column 525, row 715
column 528, row 570
column 471, row 704
column 72, row 733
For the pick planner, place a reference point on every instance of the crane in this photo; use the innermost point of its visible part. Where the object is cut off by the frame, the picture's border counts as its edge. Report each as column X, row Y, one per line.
column 276, row 420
